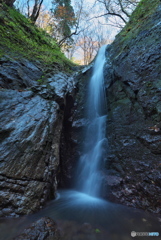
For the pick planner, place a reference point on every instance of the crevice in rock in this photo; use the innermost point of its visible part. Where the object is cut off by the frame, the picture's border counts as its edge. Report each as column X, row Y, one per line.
column 136, row 92
column 73, row 123
column 126, row 83
column 66, row 145
column 5, row 133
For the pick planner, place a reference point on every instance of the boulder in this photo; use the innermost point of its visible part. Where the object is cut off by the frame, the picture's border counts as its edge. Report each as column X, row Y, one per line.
column 43, row 229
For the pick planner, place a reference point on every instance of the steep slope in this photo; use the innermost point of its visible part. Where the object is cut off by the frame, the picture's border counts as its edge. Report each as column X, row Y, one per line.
column 20, row 38
column 133, row 84
column 35, row 80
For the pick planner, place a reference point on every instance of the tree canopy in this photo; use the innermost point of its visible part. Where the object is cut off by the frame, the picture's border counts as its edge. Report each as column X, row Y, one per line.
column 80, row 27
column 64, row 17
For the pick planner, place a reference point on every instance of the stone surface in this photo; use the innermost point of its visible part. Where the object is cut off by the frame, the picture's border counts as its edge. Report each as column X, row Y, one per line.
column 43, row 229
column 133, row 86
column 32, row 116
column 42, row 126
column 73, row 128
column 18, row 74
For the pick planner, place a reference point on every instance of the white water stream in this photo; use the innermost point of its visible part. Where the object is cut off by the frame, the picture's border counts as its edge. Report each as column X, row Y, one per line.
column 82, row 215
column 89, row 178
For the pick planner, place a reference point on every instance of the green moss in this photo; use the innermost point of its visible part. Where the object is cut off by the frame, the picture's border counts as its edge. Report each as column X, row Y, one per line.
column 20, row 38
column 138, row 22
column 97, row 230
column 144, row 9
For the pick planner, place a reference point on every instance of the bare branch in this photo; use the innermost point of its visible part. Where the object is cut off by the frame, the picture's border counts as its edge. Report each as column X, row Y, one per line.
column 122, row 9
column 110, row 13
column 118, row 8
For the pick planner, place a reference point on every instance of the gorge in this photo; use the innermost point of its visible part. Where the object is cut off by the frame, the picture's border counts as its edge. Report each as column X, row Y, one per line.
column 43, row 125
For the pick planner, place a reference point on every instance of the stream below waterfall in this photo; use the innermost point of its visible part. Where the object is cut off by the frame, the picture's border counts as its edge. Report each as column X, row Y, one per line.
column 80, row 213
column 82, row 217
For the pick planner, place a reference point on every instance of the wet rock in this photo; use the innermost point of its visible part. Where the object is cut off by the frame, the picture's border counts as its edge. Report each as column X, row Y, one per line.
column 133, row 127
column 18, row 74
column 153, row 142
column 44, row 229
column 80, row 123
column 30, row 133
column 113, row 180
column 29, row 146
column 74, row 125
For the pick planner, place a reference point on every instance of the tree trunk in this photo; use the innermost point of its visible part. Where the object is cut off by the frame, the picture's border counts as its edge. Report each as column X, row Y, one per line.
column 36, row 10
column 8, row 2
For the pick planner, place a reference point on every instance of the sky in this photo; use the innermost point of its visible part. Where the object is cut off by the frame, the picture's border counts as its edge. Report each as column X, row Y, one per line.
column 89, row 3
column 99, row 24
column 109, row 28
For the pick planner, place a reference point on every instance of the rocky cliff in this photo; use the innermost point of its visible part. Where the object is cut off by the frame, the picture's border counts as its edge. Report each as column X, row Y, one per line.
column 133, row 86
column 31, row 125
column 42, row 121
column 35, row 82
column 74, row 126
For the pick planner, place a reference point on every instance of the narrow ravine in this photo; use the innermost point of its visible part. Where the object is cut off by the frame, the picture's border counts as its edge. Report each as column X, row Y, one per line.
column 80, row 146
column 80, row 212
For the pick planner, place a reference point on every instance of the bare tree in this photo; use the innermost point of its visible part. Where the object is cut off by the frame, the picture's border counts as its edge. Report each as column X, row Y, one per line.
column 30, row 8
column 35, row 11
column 70, row 51
column 90, row 40
column 45, row 20
column 121, row 9
column 91, row 35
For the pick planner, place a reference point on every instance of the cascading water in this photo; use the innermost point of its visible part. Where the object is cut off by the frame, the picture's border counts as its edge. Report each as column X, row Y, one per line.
column 110, row 220
column 89, row 178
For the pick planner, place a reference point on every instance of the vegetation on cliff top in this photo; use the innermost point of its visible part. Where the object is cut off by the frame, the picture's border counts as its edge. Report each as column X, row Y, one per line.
column 142, row 12
column 20, row 38
column 138, row 22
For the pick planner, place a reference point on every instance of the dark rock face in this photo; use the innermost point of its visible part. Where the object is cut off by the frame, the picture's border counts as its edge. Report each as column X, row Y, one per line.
column 18, row 75
column 73, row 129
column 133, row 85
column 45, row 229
column 30, row 130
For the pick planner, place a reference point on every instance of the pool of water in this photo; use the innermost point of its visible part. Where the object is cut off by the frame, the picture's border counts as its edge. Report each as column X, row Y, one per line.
column 82, row 217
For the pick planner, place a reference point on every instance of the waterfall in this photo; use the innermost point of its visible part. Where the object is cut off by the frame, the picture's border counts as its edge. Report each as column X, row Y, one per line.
column 83, row 214
column 89, row 176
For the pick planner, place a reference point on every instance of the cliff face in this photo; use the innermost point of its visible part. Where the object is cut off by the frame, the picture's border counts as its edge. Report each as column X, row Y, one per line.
column 35, row 81
column 42, row 122
column 133, row 86
column 74, row 129
column 31, row 125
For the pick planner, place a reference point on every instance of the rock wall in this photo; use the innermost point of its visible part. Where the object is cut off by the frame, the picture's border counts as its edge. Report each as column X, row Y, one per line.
column 73, row 128
column 133, row 86
column 42, row 124
column 32, row 100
